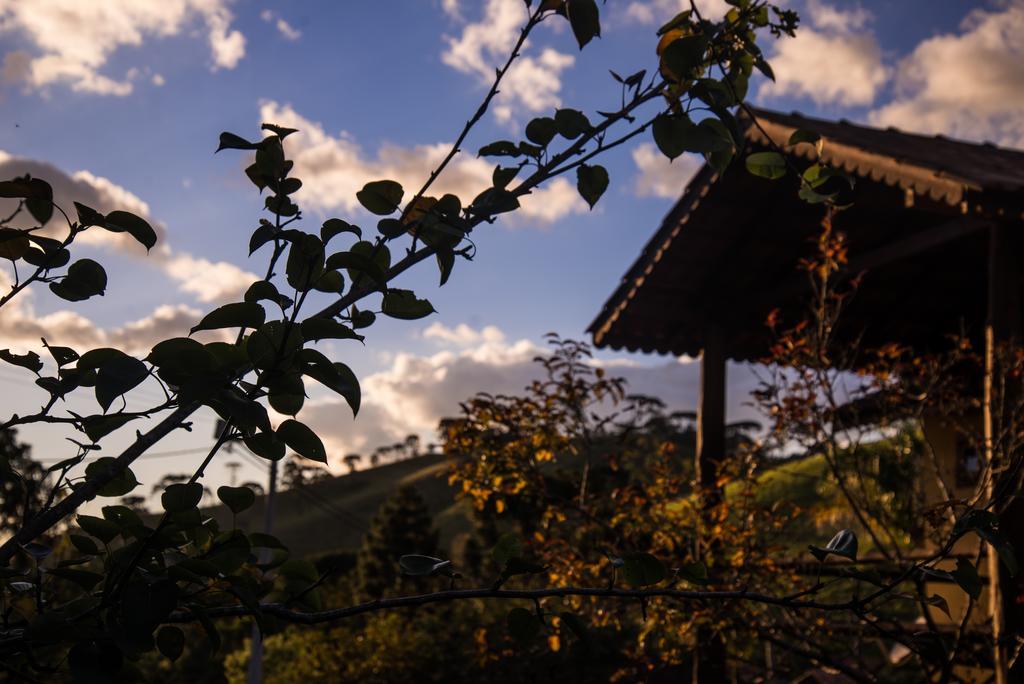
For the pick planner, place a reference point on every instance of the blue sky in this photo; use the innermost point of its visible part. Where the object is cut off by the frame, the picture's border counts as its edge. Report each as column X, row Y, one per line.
column 123, row 100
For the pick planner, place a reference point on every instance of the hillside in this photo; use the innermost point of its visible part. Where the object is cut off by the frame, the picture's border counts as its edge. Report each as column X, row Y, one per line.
column 335, row 514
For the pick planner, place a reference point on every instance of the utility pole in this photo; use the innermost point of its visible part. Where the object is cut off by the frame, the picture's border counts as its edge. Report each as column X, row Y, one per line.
column 233, row 467
column 255, row 671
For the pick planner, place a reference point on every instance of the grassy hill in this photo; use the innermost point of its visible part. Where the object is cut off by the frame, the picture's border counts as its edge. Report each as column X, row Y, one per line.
column 335, row 514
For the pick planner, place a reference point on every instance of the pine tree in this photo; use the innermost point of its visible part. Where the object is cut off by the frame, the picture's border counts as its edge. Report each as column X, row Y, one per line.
column 402, row 525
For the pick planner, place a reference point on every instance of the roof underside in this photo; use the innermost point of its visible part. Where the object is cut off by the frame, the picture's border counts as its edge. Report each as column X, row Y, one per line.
column 728, row 252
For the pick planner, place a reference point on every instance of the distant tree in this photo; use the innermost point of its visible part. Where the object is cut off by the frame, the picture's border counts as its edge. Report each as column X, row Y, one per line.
column 352, row 461
column 298, row 472
column 402, row 525
column 134, row 502
column 23, row 482
column 256, row 487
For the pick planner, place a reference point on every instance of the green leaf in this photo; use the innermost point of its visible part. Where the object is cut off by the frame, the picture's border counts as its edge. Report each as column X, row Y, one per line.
column 234, row 315
column 541, row 131
column 230, row 141
column 591, row 181
column 181, row 497
column 684, row 57
column 523, row 625
column 844, row 544
column 966, row 575
column 584, row 19
column 171, row 642
column 118, row 376
column 694, row 572
column 423, row 566
column 771, row 165
column 509, row 546
column 302, row 440
column 102, row 529
column 381, row 197
column 801, row 135
column 85, row 278
column 674, row 135
column 403, row 304
column 29, row 360
column 138, row 228
column 237, row 499
column 642, row 569
column 122, row 483
column 571, row 123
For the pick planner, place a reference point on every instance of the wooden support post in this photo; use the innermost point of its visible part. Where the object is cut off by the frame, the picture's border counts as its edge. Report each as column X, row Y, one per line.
column 1002, row 325
column 709, row 660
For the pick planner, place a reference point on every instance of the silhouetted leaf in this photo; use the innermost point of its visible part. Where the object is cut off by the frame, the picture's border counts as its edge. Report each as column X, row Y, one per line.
column 642, row 569
column 333, row 227
column 584, row 19
column 117, row 376
column 171, row 641
column 180, row 497
column 29, row 360
column 571, row 123
column 138, row 228
column 405, row 305
column 381, row 197
column 122, row 483
column 591, row 181
column 523, row 625
column 85, row 278
column 230, row 141
column 302, row 440
column 237, row 499
column 234, row 315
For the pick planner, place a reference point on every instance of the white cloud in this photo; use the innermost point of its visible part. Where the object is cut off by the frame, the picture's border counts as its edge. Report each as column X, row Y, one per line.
column 451, row 8
column 415, row 392
column 967, row 85
column 532, row 84
column 288, row 31
column 833, row 62
column 21, row 327
column 158, row 80
column 660, row 11
column 462, row 335
column 209, row 281
column 660, row 177
column 828, row 18
column 75, row 39
column 334, row 168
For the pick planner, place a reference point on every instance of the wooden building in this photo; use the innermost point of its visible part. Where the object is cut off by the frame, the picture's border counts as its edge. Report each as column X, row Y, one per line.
column 936, row 226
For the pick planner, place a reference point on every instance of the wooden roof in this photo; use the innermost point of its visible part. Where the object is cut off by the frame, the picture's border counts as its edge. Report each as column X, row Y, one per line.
column 727, row 252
